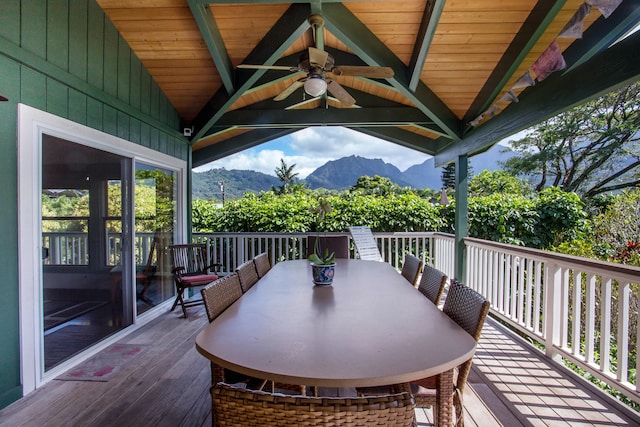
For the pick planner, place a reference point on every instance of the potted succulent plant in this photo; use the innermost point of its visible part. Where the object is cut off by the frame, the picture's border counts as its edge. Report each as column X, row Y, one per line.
column 322, row 261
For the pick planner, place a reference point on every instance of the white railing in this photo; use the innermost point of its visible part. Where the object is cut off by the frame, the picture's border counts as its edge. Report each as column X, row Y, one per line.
column 593, row 325
column 232, row 249
column 579, row 309
column 65, row 248
column 73, row 248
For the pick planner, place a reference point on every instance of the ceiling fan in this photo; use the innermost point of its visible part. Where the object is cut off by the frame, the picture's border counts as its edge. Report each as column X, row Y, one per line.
column 317, row 63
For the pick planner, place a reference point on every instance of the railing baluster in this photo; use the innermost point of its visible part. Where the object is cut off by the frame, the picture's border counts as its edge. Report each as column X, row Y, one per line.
column 605, row 325
column 590, row 321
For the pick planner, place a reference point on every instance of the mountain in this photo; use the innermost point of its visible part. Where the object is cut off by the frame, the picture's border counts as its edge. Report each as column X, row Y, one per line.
column 344, row 173
column 425, row 175
column 206, row 185
column 338, row 175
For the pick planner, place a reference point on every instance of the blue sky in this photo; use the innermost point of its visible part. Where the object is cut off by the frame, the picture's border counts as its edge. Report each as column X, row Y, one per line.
column 310, row 148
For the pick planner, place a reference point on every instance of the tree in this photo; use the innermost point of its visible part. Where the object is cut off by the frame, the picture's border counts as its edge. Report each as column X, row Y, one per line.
column 376, row 185
column 285, row 174
column 617, row 230
column 449, row 175
column 490, row 182
column 591, row 149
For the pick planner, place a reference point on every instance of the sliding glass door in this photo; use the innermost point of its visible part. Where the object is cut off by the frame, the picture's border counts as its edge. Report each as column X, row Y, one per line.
column 84, row 290
column 105, row 238
column 155, row 224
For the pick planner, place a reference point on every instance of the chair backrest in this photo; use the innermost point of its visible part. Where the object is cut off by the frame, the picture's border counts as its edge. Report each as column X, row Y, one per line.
column 365, row 243
column 190, row 258
column 219, row 295
column 240, row 406
column 469, row 310
column 247, row 274
column 411, row 268
column 337, row 244
column 262, row 263
column 432, row 283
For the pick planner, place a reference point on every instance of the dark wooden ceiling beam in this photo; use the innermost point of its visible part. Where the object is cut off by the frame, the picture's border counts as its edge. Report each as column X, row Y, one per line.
column 213, row 39
column 291, row 25
column 402, row 137
column 398, row 116
column 543, row 14
column 612, row 68
column 428, row 25
column 603, row 33
column 236, row 144
column 351, row 31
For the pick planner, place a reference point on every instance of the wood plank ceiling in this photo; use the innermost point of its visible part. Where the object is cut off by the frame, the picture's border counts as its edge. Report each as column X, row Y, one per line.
column 455, row 63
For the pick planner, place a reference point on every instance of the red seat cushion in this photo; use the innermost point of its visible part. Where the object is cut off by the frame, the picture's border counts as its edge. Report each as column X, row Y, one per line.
column 198, row 279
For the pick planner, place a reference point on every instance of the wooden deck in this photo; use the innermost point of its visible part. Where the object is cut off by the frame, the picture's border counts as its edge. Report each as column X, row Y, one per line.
column 511, row 385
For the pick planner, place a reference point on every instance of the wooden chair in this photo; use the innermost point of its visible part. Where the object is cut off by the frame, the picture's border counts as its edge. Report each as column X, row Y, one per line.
column 217, row 297
column 411, row 267
column 232, row 406
column 337, row 244
column 247, row 274
column 468, row 309
column 262, row 263
column 432, row 283
column 190, row 269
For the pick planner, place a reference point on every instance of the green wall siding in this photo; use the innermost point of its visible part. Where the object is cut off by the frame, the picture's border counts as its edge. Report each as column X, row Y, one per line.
column 67, row 58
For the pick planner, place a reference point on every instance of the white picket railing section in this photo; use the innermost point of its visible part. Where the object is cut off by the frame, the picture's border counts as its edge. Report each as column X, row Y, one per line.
column 232, row 249
column 579, row 309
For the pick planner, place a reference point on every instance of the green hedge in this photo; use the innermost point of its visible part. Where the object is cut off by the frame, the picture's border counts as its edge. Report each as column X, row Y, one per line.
column 538, row 222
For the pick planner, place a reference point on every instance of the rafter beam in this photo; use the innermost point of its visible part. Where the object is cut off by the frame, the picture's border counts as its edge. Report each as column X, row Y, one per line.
column 541, row 16
column 236, row 144
column 398, row 116
column 213, row 39
column 428, row 25
column 612, row 68
column 351, row 31
column 604, row 32
column 402, row 137
column 291, row 25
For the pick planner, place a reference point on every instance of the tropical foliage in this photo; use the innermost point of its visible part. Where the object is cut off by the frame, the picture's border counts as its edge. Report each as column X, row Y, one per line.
column 591, row 149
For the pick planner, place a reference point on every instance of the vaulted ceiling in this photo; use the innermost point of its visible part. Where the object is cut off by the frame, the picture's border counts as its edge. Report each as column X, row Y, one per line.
column 466, row 73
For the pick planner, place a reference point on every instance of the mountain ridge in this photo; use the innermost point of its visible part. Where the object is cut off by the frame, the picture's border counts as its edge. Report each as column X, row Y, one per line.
column 339, row 174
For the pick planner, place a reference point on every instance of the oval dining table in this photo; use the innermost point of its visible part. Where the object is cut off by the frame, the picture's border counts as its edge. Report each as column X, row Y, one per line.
column 370, row 328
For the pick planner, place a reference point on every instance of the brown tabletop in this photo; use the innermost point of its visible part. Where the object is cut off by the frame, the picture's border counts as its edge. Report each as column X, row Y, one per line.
column 371, row 327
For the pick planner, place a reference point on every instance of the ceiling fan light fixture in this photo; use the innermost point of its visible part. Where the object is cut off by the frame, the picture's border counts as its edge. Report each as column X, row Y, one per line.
column 315, row 85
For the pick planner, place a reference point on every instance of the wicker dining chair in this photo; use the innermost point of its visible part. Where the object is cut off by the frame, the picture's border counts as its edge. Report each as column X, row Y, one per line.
column 220, row 294
column 217, row 297
column 262, row 263
column 432, row 283
column 411, row 267
column 233, row 406
column 247, row 274
column 469, row 310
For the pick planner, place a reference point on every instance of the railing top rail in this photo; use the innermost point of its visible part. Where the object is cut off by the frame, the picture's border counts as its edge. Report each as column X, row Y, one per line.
column 329, row 233
column 589, row 264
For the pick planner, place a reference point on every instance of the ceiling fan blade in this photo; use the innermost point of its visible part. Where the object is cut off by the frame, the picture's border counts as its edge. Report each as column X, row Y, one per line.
column 317, row 56
column 363, row 71
column 289, row 90
column 340, row 93
column 268, row 67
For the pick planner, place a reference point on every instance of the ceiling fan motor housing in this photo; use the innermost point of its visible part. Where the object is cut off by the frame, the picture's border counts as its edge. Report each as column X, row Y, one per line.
column 309, row 67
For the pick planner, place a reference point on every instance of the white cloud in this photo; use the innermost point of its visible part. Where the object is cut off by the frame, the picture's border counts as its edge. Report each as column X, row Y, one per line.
column 311, row 148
